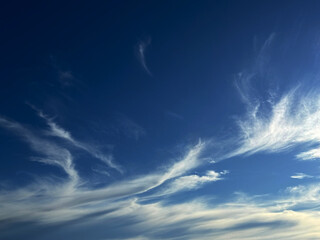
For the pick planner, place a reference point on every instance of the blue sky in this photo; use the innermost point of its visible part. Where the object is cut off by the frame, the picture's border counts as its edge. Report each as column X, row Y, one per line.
column 160, row 120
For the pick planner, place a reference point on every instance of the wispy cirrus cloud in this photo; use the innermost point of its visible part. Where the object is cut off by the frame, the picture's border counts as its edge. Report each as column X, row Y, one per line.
column 197, row 219
column 57, row 131
column 81, row 210
column 312, row 154
column 275, row 122
column 119, row 205
column 80, row 198
column 291, row 120
column 191, row 182
column 141, row 52
column 51, row 153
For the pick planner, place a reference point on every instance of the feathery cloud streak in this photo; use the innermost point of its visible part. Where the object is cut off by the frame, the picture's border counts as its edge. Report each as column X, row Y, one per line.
column 292, row 120
column 191, row 182
column 142, row 47
column 74, row 198
column 51, row 153
column 275, row 123
column 57, row 131
column 118, row 205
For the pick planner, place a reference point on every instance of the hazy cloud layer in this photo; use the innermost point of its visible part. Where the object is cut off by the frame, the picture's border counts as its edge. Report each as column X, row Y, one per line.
column 139, row 206
column 49, row 203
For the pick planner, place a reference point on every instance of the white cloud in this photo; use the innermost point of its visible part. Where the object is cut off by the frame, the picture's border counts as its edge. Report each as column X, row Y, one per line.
column 310, row 155
column 142, row 47
column 57, row 200
column 57, row 131
column 190, row 182
column 190, row 161
column 276, row 125
column 83, row 211
column 101, row 170
column 129, row 219
column 49, row 202
column 301, row 176
column 51, row 153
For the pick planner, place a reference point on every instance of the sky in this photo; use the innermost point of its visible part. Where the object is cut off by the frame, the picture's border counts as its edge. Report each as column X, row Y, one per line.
column 160, row 120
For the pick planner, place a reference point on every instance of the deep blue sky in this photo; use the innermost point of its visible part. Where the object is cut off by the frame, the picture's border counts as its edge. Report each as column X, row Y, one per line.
column 115, row 113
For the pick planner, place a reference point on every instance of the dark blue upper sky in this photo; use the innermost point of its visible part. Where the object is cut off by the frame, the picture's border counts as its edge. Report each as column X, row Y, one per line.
column 160, row 103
